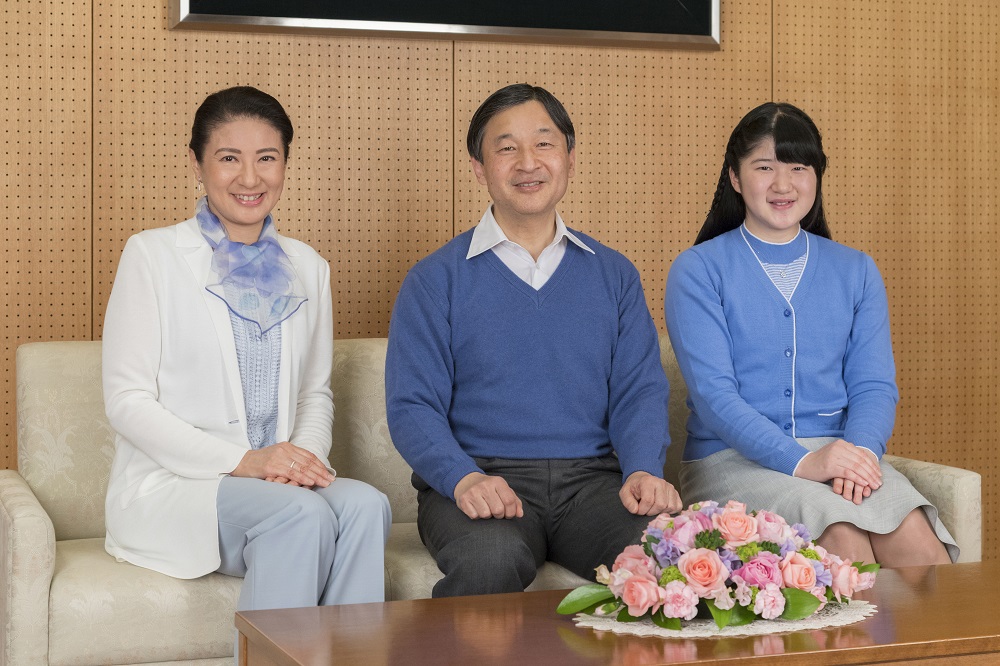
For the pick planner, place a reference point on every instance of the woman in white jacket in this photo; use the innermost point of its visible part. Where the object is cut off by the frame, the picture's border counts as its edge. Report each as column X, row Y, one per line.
column 218, row 350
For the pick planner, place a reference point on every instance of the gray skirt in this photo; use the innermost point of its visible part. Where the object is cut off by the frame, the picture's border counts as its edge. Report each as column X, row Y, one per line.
column 728, row 475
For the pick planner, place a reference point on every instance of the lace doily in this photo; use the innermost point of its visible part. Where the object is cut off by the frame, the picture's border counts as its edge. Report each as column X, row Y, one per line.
column 834, row 615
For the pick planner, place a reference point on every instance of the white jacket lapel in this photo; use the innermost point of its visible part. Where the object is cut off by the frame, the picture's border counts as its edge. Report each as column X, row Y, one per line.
column 198, row 256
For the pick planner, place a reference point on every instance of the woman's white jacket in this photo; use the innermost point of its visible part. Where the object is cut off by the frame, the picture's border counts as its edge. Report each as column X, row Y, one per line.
column 173, row 395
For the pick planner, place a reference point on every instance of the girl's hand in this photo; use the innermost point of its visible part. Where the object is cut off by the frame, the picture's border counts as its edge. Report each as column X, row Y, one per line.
column 842, row 460
column 850, row 490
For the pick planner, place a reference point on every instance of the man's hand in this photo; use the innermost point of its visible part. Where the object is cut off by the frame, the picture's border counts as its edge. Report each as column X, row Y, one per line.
column 482, row 496
column 646, row 495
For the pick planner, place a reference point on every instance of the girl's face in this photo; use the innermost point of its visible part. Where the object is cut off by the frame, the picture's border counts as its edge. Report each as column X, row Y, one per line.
column 243, row 169
column 777, row 195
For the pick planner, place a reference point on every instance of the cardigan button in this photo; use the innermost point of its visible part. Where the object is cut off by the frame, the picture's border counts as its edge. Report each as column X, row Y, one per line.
column 788, row 351
column 788, row 426
column 788, row 393
column 788, row 313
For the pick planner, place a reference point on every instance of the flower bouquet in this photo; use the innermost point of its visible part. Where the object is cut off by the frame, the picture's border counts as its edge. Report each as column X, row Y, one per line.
column 722, row 560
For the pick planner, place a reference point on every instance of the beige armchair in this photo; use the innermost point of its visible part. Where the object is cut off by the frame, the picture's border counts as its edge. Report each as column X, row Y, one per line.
column 64, row 600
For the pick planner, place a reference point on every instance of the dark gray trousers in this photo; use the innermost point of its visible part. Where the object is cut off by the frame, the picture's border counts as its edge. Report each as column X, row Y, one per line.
column 572, row 516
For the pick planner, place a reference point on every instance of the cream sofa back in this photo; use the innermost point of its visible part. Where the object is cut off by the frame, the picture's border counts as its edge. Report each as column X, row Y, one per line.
column 64, row 441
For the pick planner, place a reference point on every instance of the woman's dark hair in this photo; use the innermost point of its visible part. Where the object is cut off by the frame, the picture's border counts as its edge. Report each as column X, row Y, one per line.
column 796, row 141
column 513, row 95
column 234, row 103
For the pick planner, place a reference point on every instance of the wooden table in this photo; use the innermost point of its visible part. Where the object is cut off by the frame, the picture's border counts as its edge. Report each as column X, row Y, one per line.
column 940, row 615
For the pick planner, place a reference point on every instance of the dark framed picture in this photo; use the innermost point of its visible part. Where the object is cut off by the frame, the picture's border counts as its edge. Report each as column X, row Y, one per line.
column 691, row 24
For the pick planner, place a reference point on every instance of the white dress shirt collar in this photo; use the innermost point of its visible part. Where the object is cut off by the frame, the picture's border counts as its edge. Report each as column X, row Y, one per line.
column 488, row 235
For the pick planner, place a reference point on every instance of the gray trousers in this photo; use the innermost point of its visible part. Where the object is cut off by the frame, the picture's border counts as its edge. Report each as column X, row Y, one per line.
column 298, row 547
column 572, row 516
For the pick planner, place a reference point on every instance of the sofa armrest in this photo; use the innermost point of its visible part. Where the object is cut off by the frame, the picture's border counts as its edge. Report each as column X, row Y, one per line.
column 27, row 562
column 957, row 494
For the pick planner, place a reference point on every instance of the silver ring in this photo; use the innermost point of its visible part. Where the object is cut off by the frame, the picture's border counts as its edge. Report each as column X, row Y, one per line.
column 291, row 465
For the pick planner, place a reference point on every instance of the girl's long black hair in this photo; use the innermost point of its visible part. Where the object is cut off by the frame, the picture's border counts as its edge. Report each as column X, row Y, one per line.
column 796, row 141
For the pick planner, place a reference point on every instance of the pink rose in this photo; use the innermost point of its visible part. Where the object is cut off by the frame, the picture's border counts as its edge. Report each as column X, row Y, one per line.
column 737, row 528
column 661, row 522
column 641, row 595
column 772, row 527
column 705, row 521
column 770, row 602
column 679, row 600
column 684, row 535
column 634, row 559
column 763, row 568
column 845, row 579
column 797, row 571
column 704, row 570
column 736, row 506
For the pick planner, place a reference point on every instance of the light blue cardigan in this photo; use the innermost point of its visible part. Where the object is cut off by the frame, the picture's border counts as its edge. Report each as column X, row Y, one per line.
column 761, row 371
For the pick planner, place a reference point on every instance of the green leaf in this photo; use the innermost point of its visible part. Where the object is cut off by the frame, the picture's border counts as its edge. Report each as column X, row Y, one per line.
column 798, row 604
column 741, row 615
column 661, row 620
column 722, row 618
column 771, row 547
column 584, row 597
column 867, row 568
column 623, row 616
column 710, row 539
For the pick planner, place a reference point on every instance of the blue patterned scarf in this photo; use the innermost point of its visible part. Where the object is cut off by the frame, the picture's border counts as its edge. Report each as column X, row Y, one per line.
column 255, row 281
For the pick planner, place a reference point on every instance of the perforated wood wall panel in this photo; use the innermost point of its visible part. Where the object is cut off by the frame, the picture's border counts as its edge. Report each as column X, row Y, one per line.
column 369, row 181
column 651, row 128
column 907, row 95
column 46, row 167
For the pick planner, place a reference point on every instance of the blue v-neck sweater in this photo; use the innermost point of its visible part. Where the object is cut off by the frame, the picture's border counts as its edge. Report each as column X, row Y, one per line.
column 761, row 370
column 480, row 364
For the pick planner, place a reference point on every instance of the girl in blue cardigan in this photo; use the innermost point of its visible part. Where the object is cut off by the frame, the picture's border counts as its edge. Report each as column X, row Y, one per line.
column 782, row 336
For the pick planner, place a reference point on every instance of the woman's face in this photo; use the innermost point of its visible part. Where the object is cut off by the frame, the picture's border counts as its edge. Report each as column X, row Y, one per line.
column 777, row 195
column 243, row 169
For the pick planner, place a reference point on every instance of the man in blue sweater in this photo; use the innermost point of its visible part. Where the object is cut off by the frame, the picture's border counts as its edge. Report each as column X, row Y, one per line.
column 523, row 377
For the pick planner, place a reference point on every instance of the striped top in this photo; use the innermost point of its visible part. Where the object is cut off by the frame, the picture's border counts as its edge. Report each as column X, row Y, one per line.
column 783, row 262
column 259, row 358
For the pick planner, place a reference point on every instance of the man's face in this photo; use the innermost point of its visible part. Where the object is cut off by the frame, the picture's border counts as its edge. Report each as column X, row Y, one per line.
column 525, row 166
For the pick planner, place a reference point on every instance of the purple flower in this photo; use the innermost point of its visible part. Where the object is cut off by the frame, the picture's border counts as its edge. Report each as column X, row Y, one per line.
column 802, row 531
column 789, row 546
column 730, row 559
column 667, row 551
column 709, row 508
column 823, row 575
column 652, row 532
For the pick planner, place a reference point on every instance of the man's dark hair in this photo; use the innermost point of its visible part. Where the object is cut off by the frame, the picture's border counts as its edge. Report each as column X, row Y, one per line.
column 514, row 95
